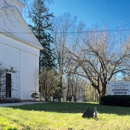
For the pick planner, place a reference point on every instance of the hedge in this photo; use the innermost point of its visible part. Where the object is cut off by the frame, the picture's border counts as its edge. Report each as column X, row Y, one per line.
column 115, row 100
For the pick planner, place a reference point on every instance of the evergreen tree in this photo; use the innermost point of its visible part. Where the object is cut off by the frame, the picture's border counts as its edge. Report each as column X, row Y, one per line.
column 41, row 26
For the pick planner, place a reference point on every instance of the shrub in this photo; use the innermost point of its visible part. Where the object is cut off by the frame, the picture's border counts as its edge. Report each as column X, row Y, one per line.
column 115, row 100
column 35, row 96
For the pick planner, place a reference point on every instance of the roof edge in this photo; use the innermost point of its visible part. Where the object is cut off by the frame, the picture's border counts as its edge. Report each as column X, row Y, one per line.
column 18, row 2
column 21, row 40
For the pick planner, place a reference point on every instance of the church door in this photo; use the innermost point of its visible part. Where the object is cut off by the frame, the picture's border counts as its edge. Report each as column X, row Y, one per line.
column 8, row 85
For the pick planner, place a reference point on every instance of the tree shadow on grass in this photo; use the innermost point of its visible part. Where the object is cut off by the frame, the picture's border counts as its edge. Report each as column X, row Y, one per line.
column 68, row 107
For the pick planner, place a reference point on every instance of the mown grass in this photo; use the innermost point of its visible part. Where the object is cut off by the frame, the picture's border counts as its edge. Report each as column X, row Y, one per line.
column 61, row 116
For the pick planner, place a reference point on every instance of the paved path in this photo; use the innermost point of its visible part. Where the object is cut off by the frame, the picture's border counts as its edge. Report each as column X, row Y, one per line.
column 18, row 104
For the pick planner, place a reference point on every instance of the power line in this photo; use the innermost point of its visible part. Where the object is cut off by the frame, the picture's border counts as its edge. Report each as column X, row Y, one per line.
column 119, row 19
column 90, row 31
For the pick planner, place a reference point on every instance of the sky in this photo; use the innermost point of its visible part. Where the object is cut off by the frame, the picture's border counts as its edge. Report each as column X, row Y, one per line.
column 115, row 13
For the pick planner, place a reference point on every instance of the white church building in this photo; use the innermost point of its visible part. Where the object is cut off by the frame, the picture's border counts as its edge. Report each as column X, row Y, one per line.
column 19, row 51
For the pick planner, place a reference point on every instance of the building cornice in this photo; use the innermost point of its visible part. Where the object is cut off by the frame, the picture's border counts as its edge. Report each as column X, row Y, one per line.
column 20, row 40
column 20, row 3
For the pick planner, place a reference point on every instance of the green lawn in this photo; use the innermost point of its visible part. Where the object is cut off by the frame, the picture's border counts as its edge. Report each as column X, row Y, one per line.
column 61, row 116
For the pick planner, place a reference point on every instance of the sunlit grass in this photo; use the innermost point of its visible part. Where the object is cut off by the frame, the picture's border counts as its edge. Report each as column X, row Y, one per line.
column 61, row 116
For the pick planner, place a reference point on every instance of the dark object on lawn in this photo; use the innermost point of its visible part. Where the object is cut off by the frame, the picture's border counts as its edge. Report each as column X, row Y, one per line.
column 88, row 113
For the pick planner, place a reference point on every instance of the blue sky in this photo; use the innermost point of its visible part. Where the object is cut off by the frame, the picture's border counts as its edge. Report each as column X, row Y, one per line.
column 113, row 12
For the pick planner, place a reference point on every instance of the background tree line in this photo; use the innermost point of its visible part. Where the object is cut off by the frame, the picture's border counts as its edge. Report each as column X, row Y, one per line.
column 77, row 57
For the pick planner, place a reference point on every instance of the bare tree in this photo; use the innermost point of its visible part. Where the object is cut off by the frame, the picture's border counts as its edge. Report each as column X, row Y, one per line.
column 126, row 78
column 100, row 56
column 77, row 84
column 49, row 81
column 63, row 25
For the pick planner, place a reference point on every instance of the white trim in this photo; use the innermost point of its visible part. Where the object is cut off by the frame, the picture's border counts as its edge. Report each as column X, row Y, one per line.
column 18, row 2
column 38, row 46
column 21, row 40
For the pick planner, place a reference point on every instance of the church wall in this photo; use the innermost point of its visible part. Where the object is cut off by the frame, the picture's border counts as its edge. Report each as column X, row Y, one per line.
column 9, row 57
column 19, row 50
column 25, row 61
column 27, row 74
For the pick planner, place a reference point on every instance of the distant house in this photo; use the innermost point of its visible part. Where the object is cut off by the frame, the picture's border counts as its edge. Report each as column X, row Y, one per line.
column 19, row 51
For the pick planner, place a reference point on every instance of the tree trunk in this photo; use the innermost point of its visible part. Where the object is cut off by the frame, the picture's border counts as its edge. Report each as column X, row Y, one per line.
column 46, row 98
column 68, row 88
column 98, row 90
column 103, row 89
column 61, row 87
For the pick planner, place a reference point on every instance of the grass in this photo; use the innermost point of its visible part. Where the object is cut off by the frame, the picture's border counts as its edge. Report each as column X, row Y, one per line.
column 61, row 116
